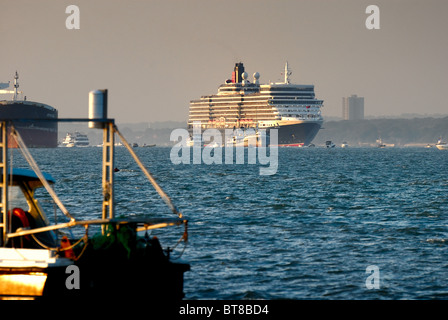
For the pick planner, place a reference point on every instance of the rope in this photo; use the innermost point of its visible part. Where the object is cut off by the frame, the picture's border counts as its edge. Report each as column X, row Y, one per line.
column 58, row 248
column 85, row 239
column 156, row 186
column 183, row 238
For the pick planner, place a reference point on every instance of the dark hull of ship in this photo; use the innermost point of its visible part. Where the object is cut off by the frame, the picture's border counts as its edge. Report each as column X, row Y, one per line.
column 299, row 134
column 35, row 134
column 292, row 135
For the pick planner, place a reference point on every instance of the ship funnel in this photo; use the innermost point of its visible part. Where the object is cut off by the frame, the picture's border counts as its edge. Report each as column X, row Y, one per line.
column 237, row 74
column 97, row 107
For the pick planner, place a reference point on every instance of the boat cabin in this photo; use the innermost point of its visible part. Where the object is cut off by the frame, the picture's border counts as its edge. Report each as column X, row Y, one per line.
column 25, row 211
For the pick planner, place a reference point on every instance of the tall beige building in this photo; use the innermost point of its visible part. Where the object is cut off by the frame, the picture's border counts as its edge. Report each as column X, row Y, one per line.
column 353, row 108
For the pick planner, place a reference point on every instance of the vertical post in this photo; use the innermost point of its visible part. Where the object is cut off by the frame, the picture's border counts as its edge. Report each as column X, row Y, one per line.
column 108, row 171
column 98, row 112
column 4, row 181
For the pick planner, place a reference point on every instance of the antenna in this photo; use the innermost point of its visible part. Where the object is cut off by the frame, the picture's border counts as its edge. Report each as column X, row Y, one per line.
column 287, row 72
column 16, row 86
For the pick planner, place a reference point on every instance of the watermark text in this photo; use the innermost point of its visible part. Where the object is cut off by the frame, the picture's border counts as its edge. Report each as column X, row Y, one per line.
column 261, row 147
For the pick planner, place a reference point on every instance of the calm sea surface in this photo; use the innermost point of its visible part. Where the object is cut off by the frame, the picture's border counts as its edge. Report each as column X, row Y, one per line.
column 307, row 232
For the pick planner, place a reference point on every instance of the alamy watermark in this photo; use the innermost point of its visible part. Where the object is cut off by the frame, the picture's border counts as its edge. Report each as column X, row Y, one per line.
column 73, row 20
column 373, row 20
column 373, row 280
column 261, row 147
column 73, row 280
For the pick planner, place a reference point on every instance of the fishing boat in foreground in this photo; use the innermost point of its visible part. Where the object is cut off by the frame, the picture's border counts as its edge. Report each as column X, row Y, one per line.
column 37, row 261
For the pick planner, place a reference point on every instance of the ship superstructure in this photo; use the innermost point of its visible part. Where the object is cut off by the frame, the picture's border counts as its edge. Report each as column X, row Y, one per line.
column 240, row 104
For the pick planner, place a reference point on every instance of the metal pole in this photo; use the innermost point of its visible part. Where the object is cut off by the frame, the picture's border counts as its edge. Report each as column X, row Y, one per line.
column 4, row 181
column 108, row 171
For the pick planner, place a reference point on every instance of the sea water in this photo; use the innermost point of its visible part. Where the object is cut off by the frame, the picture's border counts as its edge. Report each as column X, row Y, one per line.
column 314, row 230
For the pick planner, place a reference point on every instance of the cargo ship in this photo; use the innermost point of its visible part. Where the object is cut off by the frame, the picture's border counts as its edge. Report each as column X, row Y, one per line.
column 37, row 126
column 240, row 104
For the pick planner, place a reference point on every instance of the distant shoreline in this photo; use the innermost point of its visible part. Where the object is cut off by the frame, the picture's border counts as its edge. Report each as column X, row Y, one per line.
column 397, row 131
column 401, row 132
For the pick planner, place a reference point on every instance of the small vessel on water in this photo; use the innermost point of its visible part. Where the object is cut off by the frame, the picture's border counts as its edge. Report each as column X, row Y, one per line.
column 380, row 144
column 237, row 138
column 248, row 138
column 344, row 144
column 75, row 139
column 37, row 261
column 441, row 145
column 330, row 144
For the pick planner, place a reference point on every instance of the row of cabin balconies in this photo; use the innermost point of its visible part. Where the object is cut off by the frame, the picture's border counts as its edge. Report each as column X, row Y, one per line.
column 234, row 117
column 308, row 99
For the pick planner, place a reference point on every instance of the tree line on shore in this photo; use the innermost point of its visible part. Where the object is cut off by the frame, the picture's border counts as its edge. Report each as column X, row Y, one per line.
column 399, row 132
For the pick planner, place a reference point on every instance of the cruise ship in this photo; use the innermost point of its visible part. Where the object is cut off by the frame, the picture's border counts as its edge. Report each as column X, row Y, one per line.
column 33, row 126
column 241, row 104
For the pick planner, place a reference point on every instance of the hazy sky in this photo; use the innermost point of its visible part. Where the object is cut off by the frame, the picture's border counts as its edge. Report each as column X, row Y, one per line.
column 155, row 56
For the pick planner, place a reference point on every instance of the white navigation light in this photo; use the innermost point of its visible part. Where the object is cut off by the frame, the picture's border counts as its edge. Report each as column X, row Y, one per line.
column 97, row 108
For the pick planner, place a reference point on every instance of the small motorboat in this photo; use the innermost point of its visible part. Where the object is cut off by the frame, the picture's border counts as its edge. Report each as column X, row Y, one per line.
column 441, row 145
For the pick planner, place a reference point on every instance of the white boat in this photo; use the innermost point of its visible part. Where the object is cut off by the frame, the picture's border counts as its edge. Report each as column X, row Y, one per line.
column 75, row 139
column 442, row 145
column 212, row 145
column 330, row 144
column 248, row 138
column 380, row 144
column 344, row 144
column 38, row 261
column 190, row 143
